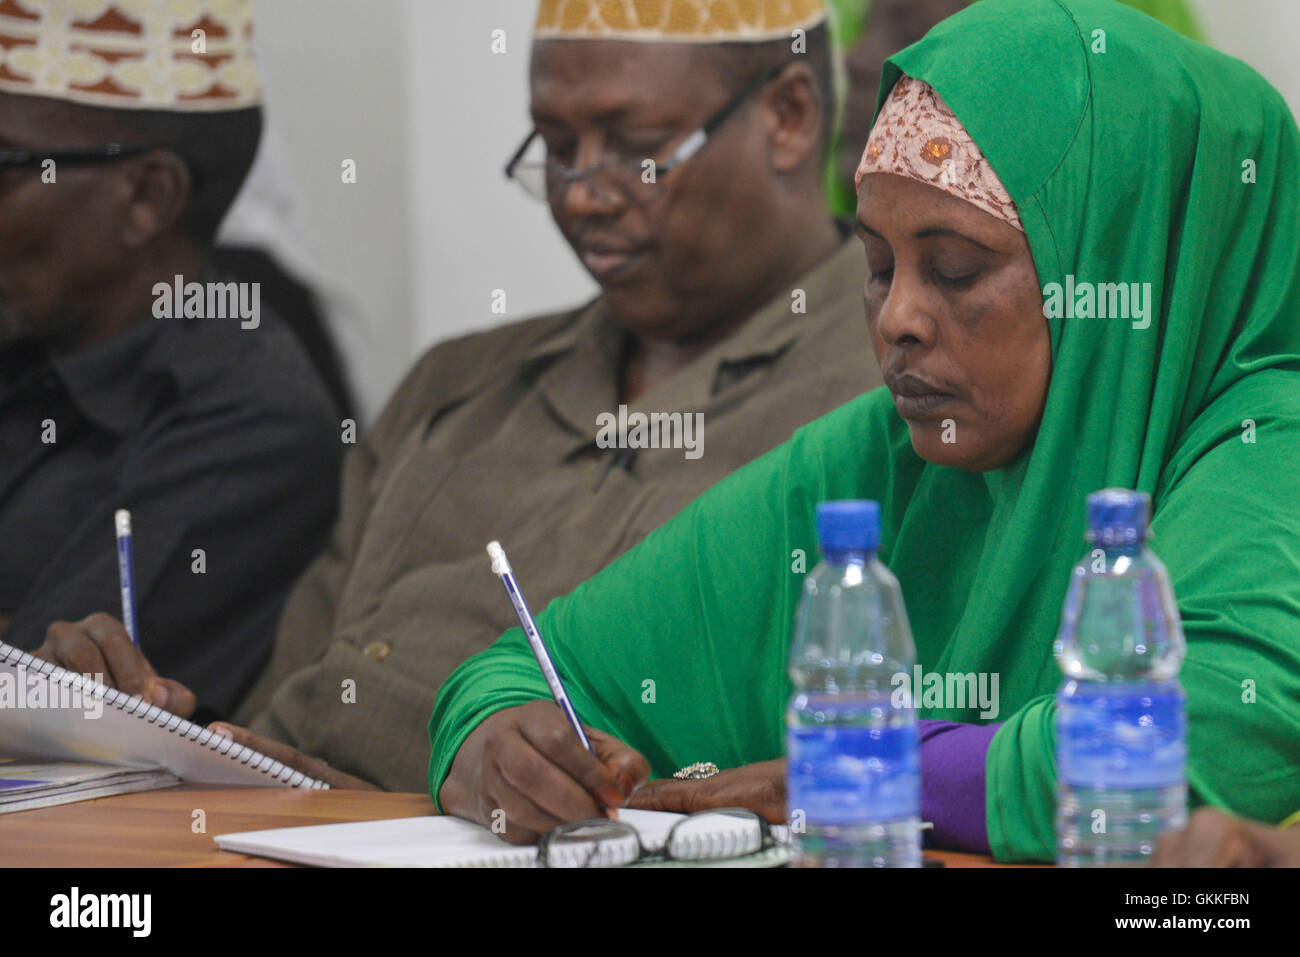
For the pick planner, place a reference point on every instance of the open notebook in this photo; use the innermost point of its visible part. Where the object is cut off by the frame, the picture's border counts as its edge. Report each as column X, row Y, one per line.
column 433, row 842
column 49, row 714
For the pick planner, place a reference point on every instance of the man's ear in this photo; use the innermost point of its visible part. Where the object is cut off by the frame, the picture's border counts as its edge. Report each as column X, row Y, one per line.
column 161, row 185
column 795, row 101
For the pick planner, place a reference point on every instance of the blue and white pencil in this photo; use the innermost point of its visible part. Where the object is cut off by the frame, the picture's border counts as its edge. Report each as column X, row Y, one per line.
column 501, row 568
column 126, row 572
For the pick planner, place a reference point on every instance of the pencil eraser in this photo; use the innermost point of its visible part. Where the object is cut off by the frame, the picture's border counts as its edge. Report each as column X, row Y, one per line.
column 123, row 521
column 500, row 566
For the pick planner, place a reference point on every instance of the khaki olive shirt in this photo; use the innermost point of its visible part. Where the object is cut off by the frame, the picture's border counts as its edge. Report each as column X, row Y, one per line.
column 494, row 436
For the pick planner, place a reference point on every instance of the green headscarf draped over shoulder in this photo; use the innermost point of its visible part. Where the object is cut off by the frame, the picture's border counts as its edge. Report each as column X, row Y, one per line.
column 1135, row 156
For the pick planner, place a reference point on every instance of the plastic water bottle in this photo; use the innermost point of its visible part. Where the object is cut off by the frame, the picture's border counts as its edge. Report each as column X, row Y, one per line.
column 852, row 746
column 1121, row 722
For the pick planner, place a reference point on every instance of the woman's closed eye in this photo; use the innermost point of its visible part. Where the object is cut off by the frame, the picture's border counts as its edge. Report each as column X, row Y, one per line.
column 880, row 263
column 959, row 279
column 962, row 280
column 954, row 269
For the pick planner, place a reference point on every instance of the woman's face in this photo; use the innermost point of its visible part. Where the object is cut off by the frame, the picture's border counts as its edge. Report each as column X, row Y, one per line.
column 956, row 320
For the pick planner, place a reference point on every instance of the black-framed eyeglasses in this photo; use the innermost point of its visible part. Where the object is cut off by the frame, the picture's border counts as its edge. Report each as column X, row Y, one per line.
column 634, row 179
column 87, row 156
column 720, row 834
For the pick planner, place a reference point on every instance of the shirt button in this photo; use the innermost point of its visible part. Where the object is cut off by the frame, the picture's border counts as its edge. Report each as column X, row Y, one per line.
column 378, row 650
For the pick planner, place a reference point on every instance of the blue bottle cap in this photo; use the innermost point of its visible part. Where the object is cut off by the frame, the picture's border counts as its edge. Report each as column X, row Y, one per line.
column 1118, row 516
column 852, row 525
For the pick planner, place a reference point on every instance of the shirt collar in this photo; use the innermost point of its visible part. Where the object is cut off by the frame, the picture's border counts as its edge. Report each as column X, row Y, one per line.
column 117, row 383
column 767, row 334
column 107, row 381
column 582, row 374
column 569, row 336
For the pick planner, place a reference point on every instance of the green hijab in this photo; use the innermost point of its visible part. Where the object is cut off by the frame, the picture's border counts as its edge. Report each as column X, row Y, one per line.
column 1156, row 161
column 1133, row 165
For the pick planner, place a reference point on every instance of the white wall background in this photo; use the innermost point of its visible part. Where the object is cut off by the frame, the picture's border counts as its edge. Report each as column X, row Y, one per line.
column 411, row 90
column 475, row 230
column 1264, row 33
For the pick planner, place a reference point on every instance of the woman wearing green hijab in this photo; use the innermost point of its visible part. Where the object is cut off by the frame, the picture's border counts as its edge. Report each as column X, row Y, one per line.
column 1129, row 155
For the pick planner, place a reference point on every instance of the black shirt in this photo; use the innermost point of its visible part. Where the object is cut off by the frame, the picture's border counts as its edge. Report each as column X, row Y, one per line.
column 221, row 442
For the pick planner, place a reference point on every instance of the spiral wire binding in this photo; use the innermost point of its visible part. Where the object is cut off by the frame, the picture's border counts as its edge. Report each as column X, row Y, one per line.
column 716, row 845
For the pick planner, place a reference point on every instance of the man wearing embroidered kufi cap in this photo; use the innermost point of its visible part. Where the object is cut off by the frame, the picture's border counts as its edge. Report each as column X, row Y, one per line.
column 679, row 146
column 130, row 376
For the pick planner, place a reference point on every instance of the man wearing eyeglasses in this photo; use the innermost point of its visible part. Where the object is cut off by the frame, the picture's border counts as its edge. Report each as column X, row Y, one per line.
column 121, row 147
column 681, row 158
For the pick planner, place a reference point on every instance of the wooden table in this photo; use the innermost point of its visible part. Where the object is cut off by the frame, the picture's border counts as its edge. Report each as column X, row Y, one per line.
column 155, row 828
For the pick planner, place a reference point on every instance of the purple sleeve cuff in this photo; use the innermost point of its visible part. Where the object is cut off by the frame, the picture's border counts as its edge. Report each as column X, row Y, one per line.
column 952, row 783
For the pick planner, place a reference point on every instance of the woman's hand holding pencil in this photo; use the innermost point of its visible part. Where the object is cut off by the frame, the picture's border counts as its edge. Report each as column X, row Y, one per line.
column 536, row 766
column 524, row 768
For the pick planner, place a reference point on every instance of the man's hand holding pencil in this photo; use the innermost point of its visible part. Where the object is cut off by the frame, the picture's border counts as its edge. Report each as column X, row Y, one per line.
column 99, row 646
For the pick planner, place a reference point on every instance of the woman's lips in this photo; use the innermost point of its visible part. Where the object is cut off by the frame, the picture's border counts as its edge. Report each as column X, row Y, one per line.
column 915, row 397
column 921, row 406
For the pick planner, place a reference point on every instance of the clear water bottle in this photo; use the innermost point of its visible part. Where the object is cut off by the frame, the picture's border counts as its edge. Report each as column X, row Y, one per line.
column 1121, row 721
column 853, row 747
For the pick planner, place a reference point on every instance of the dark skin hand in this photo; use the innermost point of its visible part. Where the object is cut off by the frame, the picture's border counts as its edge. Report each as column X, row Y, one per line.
column 1216, row 839
column 759, row 787
column 292, row 757
column 99, row 646
column 527, row 762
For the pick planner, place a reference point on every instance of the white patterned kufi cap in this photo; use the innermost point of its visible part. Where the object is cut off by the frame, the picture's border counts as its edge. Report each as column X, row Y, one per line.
column 916, row 135
column 676, row 21
column 179, row 55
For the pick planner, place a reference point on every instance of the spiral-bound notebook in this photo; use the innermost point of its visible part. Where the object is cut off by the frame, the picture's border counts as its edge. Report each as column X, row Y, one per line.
column 447, row 842
column 50, row 714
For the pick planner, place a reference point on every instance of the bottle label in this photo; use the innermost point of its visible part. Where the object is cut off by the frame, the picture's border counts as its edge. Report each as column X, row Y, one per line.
column 1121, row 737
column 845, row 775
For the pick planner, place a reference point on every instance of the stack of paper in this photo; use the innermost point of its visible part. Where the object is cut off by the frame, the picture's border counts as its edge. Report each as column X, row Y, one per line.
column 24, row 786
